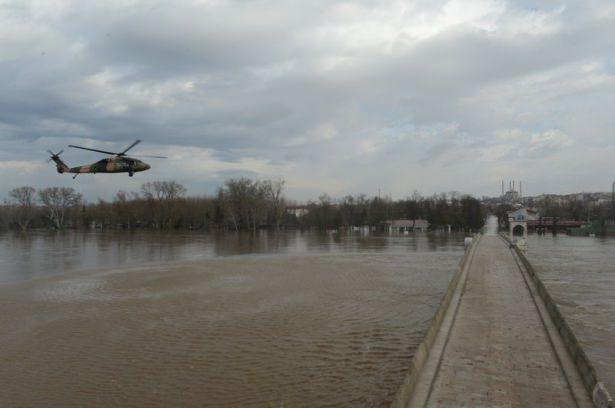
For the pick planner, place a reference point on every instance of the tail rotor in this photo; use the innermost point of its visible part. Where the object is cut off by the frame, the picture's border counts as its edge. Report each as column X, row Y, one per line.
column 54, row 156
column 60, row 165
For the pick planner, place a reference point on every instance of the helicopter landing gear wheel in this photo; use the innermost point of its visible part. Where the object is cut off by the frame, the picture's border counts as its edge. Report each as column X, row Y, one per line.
column 130, row 174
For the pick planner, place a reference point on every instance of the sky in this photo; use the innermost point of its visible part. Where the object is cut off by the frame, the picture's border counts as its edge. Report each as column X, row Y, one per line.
column 334, row 97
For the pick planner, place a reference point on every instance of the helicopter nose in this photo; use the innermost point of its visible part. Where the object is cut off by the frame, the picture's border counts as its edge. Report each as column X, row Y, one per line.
column 146, row 166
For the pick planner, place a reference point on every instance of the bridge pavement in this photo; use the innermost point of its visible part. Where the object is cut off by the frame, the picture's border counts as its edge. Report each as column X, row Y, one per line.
column 499, row 347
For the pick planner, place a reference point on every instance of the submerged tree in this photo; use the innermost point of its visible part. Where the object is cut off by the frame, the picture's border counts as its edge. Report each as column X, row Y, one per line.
column 163, row 198
column 23, row 205
column 276, row 203
column 57, row 201
column 240, row 204
column 124, row 204
column 241, row 201
column 249, row 204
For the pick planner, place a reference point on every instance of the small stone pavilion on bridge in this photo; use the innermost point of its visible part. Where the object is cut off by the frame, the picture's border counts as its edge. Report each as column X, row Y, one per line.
column 518, row 219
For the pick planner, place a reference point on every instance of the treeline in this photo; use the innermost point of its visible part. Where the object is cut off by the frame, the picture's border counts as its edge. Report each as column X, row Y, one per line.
column 442, row 211
column 240, row 204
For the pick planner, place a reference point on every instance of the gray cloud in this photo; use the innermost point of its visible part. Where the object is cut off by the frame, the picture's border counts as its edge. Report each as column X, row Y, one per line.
column 335, row 97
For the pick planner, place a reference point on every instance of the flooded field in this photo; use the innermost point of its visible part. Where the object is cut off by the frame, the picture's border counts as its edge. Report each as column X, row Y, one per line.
column 198, row 320
column 580, row 275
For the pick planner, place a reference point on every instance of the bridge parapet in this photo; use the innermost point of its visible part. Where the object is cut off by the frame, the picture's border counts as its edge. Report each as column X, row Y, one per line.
column 594, row 386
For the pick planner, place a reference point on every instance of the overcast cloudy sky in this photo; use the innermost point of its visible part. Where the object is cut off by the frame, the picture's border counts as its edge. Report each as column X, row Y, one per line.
column 335, row 97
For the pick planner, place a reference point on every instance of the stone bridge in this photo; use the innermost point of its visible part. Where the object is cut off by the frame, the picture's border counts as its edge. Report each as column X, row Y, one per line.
column 498, row 340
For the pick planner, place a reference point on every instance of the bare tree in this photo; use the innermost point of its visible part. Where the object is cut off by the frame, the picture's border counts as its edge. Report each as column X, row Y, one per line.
column 163, row 197
column 276, row 202
column 56, row 201
column 251, row 204
column 24, row 205
column 227, row 208
column 238, row 196
column 163, row 190
column 124, row 208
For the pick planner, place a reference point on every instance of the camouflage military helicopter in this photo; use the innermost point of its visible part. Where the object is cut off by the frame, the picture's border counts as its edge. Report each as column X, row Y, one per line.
column 117, row 163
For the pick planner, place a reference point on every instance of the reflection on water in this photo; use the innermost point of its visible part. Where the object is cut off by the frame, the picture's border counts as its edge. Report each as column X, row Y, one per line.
column 39, row 254
column 292, row 319
column 580, row 274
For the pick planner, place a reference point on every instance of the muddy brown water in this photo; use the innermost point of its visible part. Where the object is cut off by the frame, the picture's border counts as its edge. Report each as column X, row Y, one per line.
column 579, row 273
column 273, row 320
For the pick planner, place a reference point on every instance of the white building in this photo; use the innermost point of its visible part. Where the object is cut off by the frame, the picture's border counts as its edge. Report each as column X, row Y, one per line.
column 406, row 225
column 297, row 210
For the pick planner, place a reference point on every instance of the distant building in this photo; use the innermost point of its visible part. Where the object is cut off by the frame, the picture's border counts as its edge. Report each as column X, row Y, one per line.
column 514, row 197
column 523, row 214
column 401, row 226
column 548, row 223
column 553, row 199
column 511, row 196
column 297, row 210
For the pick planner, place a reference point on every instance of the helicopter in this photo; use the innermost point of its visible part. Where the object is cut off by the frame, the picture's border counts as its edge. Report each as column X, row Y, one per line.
column 117, row 163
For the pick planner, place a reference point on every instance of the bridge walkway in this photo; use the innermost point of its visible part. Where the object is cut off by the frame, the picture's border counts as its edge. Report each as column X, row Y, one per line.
column 500, row 348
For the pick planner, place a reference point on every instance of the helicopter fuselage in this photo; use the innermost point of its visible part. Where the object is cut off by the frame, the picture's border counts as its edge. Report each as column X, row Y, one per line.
column 112, row 164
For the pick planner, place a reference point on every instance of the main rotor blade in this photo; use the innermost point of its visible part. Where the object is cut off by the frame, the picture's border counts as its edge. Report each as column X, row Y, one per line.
column 136, row 142
column 93, row 150
column 150, row 157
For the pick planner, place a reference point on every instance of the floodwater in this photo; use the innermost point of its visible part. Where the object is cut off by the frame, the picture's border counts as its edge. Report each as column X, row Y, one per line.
column 273, row 320
column 579, row 273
